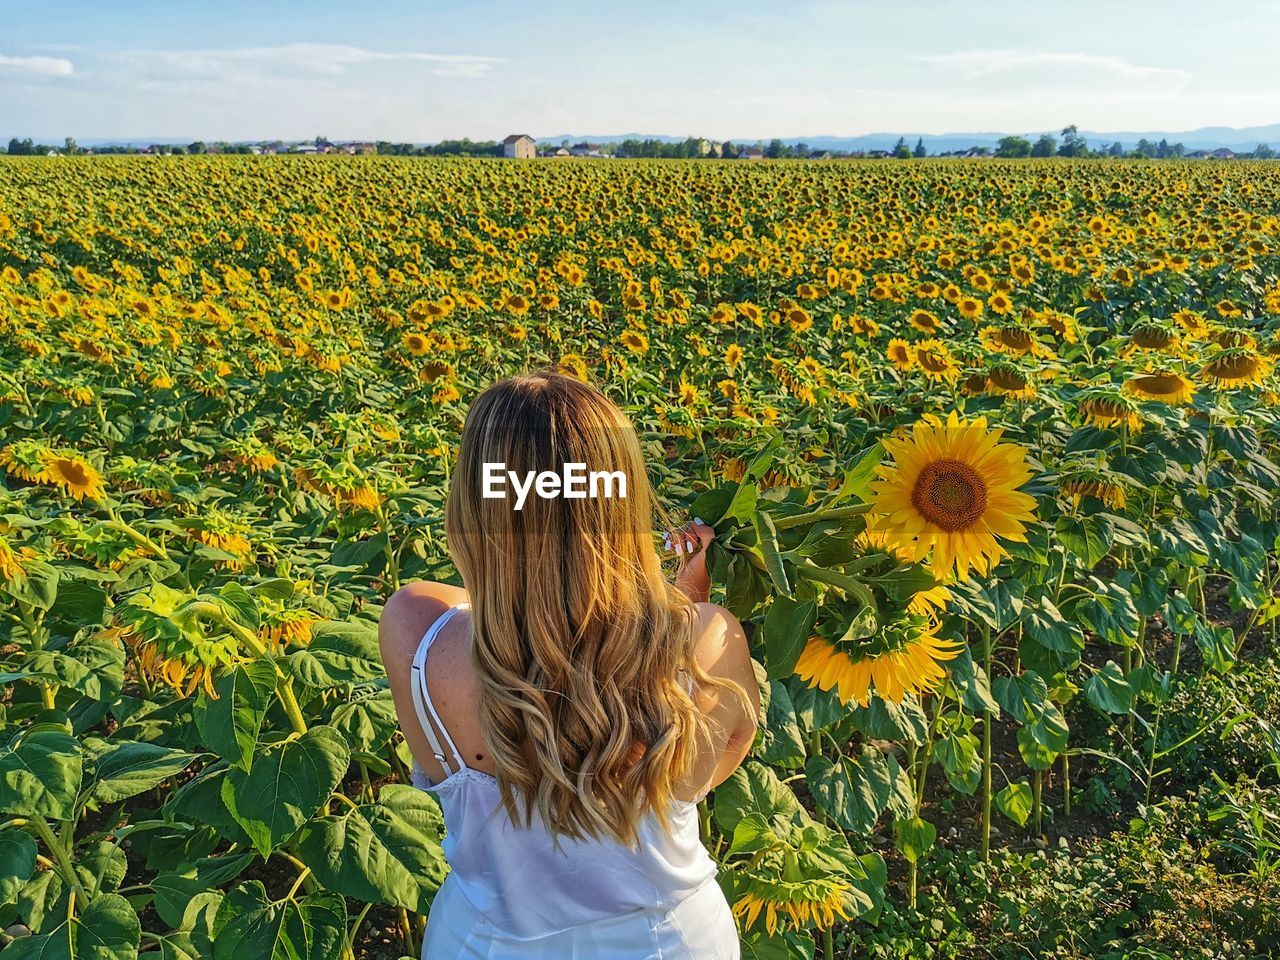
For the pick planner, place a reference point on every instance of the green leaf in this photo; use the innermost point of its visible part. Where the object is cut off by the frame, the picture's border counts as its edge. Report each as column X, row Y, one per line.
column 1034, row 754
column 972, row 683
column 241, row 605
column 854, row 792
column 1023, row 696
column 368, row 722
column 755, row 788
column 750, row 835
column 248, row 924
column 858, row 477
column 40, row 774
column 781, row 945
column 107, row 929
column 1108, row 690
column 1088, row 538
column 385, row 852
column 231, row 723
column 781, row 742
column 130, row 768
column 1014, row 801
column 340, row 652
column 958, row 754
column 174, row 891
column 17, row 863
column 787, row 627
column 915, row 837
column 287, row 785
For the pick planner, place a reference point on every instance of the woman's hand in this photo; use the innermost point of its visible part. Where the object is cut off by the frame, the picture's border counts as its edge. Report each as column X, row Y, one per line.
column 689, row 543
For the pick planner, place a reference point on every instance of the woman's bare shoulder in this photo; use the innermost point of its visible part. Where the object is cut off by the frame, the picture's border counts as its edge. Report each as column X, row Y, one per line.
column 722, row 648
column 408, row 615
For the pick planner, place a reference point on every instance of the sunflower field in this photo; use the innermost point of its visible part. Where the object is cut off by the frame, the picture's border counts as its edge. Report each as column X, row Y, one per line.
column 990, row 449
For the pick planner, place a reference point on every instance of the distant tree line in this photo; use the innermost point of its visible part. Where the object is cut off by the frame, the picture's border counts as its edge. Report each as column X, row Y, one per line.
column 1070, row 144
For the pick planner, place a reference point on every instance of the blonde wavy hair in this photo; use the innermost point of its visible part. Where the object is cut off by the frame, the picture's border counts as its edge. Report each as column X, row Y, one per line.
column 577, row 636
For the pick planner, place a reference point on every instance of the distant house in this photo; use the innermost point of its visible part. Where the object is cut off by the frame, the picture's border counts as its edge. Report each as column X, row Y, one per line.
column 360, row 148
column 306, row 148
column 1199, row 155
column 1222, row 153
column 520, row 146
column 585, row 150
column 820, row 155
column 717, row 149
column 750, row 153
column 877, row 154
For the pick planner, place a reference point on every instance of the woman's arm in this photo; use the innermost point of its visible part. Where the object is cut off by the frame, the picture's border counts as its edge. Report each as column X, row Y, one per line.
column 690, row 543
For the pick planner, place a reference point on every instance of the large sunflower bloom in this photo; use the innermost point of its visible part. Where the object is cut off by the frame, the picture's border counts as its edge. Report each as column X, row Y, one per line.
column 953, row 488
column 912, row 668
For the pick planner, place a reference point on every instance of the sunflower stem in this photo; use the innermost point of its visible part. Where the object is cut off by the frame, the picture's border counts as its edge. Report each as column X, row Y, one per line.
column 817, row 516
column 987, row 719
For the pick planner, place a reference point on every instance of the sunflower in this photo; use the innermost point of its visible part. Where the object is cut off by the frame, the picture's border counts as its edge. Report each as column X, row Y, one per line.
column 1008, row 380
column 288, row 627
column 74, row 475
column 1165, row 385
column 1093, row 483
column 900, row 354
column 953, row 488
column 27, row 460
column 818, row 901
column 936, row 361
column 417, row 344
column 925, row 322
column 1237, row 367
column 732, row 357
column 635, row 341
column 904, row 660
column 10, row 562
column 970, row 308
column 1109, row 408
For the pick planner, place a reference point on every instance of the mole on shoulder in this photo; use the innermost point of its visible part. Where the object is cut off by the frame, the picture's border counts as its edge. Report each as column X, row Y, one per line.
column 479, row 756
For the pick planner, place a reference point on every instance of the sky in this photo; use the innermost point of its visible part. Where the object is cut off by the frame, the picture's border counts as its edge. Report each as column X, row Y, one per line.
column 426, row 70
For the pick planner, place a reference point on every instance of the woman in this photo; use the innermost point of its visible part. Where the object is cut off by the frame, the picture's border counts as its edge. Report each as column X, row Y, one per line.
column 575, row 706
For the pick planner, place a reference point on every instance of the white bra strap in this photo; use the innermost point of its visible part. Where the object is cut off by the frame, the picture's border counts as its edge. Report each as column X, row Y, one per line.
column 422, row 698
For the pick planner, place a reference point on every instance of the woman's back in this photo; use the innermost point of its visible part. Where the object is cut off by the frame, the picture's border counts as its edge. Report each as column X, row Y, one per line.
column 565, row 751
column 521, row 880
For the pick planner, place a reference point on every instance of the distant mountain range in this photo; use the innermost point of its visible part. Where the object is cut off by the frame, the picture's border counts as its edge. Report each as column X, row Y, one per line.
column 1206, row 138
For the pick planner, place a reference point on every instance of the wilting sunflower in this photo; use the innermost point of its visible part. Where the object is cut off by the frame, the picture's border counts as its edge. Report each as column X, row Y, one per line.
column 74, row 475
column 1104, row 408
column 953, row 488
column 1167, row 386
column 10, row 562
column 901, row 659
column 27, row 460
column 288, row 627
column 818, row 901
column 1236, row 367
column 900, row 354
column 1006, row 379
column 1093, row 483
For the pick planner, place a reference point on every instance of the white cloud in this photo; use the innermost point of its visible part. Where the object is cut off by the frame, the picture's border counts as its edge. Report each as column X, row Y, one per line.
column 1055, row 68
column 44, row 66
column 324, row 59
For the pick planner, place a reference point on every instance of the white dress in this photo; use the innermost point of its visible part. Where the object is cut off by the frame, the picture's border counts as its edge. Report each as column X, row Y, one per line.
column 513, row 895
